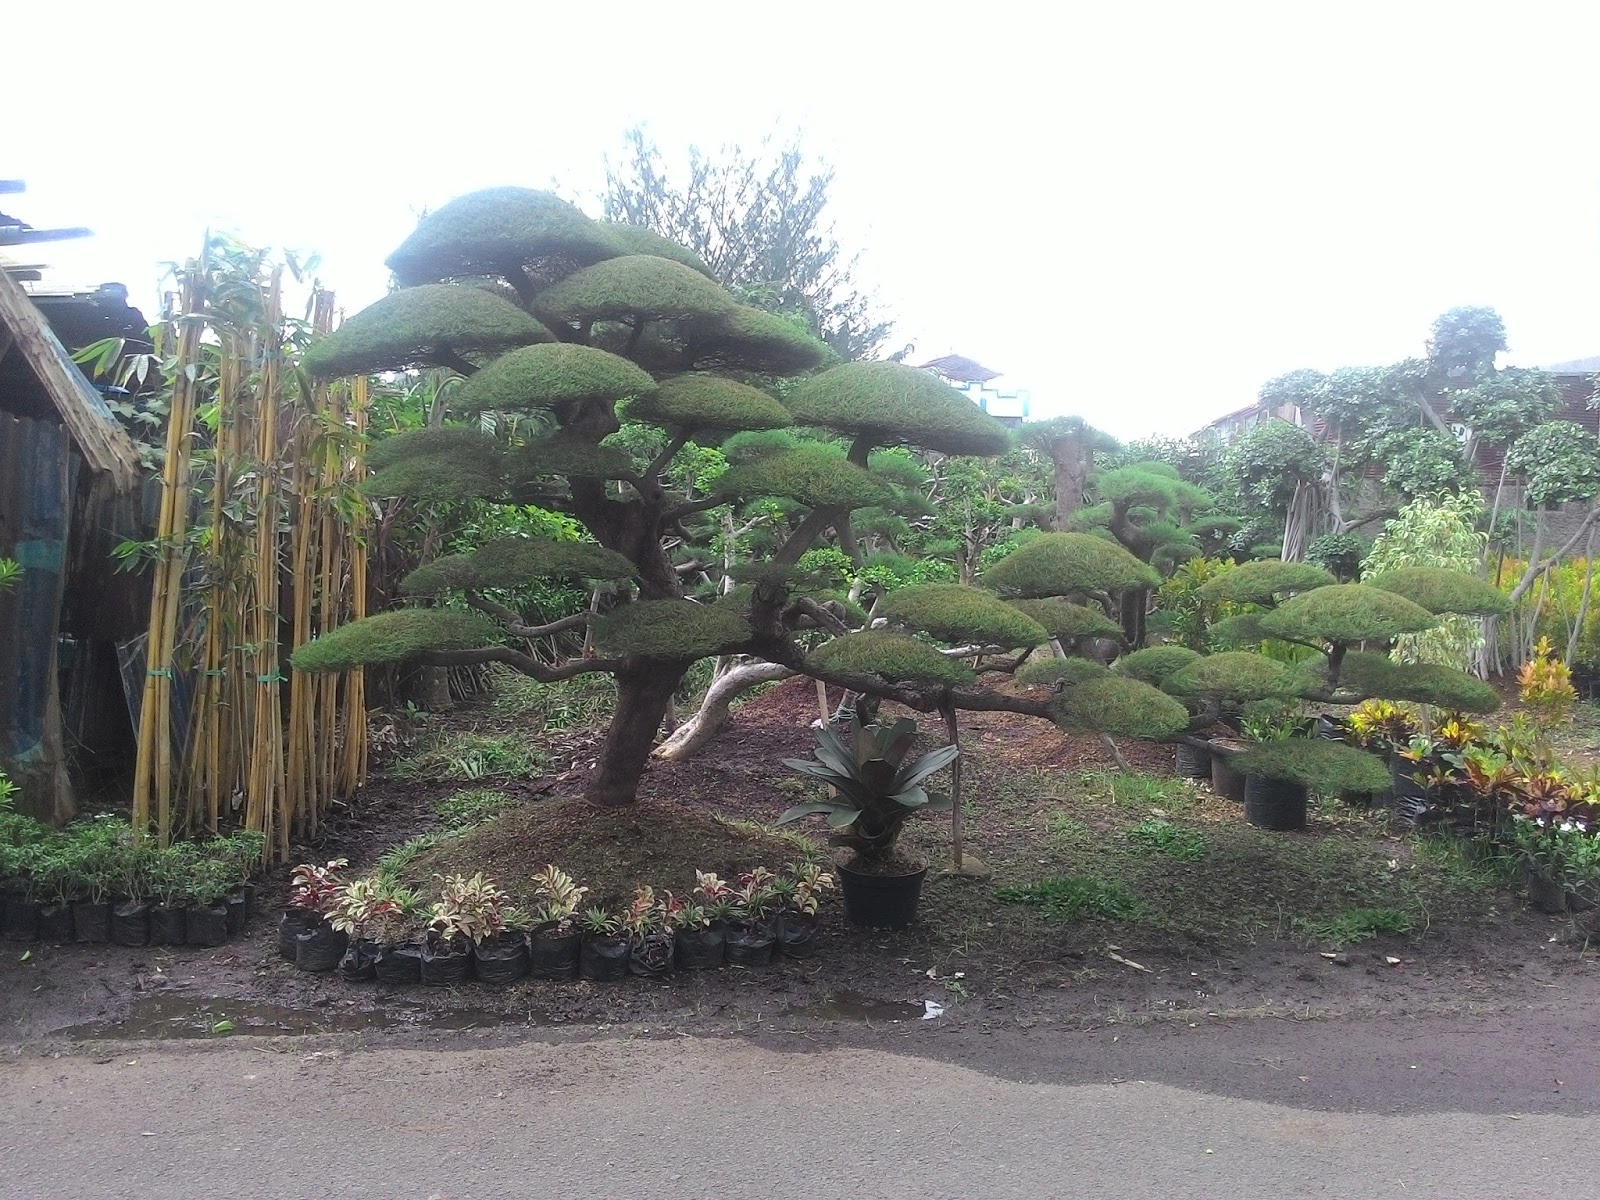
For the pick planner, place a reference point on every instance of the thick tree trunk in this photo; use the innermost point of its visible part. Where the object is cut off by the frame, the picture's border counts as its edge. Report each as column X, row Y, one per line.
column 643, row 698
column 713, row 712
column 1072, row 477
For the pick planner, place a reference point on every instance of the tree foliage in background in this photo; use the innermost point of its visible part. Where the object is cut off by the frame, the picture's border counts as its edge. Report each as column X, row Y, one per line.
column 1436, row 532
column 760, row 221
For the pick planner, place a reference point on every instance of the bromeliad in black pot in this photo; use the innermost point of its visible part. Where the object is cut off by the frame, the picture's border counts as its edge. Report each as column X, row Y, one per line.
column 752, row 903
column 701, row 937
column 648, row 921
column 554, row 943
column 603, row 957
column 873, row 792
column 800, row 890
column 313, row 892
column 468, row 911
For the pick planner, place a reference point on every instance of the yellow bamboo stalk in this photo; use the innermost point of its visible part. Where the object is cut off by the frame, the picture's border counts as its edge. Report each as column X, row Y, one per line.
column 153, row 768
column 355, row 705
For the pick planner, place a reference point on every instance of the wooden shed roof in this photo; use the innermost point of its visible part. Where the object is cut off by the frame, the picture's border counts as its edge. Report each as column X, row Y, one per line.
column 99, row 437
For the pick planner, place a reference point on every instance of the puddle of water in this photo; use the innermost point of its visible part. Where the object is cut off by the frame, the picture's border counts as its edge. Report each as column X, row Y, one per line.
column 852, row 1006
column 188, row 1017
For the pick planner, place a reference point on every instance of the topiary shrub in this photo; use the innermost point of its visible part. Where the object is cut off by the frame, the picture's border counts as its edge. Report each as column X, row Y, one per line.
column 1347, row 612
column 668, row 629
column 1155, row 664
column 952, row 612
column 1047, row 672
column 1322, row 766
column 430, row 325
column 1064, row 564
column 890, row 656
column 1118, row 705
column 892, row 403
column 1263, row 582
column 394, row 637
column 1233, row 675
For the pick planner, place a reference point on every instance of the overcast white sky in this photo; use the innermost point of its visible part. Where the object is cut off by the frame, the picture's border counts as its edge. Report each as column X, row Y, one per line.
column 1141, row 214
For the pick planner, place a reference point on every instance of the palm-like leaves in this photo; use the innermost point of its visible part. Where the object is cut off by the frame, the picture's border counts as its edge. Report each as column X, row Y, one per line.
column 874, row 788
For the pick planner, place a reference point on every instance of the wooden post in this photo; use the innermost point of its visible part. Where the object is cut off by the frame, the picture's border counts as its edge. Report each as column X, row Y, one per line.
column 952, row 731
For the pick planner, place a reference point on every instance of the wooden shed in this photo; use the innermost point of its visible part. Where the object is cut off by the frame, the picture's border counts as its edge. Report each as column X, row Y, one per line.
column 70, row 484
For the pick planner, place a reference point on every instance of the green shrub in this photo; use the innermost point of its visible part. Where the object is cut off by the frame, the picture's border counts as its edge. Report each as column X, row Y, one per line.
column 953, row 612
column 891, row 656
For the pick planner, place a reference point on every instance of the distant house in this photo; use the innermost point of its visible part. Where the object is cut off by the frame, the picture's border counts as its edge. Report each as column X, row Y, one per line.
column 973, row 379
column 1230, row 427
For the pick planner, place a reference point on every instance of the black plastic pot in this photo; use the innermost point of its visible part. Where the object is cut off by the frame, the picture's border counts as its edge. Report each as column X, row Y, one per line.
column 55, row 923
column 248, row 891
column 1225, row 781
column 879, row 901
column 553, row 955
column 702, row 949
column 317, row 948
column 750, row 943
column 91, row 922
column 603, row 960
column 445, row 964
column 650, row 957
column 169, row 925
column 292, row 922
column 1329, row 730
column 400, row 963
column 359, row 962
column 502, row 958
column 1274, row 803
column 1545, row 894
column 19, row 919
column 130, row 924
column 795, row 934
column 208, row 926
column 1411, row 803
column 237, row 906
column 1194, row 762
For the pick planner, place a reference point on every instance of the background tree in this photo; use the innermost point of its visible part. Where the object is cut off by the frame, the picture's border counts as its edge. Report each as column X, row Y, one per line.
column 759, row 221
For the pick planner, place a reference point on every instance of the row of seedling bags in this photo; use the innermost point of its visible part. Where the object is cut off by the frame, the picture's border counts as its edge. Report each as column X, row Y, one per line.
column 370, row 928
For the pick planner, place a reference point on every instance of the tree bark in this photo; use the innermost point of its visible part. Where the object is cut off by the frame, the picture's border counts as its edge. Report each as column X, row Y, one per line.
column 643, row 698
column 712, row 715
column 1072, row 477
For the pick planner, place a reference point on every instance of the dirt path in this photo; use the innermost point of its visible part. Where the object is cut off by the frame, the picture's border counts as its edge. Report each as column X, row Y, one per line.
column 1443, row 1107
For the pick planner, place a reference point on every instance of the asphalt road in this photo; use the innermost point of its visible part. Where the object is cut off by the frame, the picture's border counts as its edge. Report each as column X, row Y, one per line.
column 682, row 1117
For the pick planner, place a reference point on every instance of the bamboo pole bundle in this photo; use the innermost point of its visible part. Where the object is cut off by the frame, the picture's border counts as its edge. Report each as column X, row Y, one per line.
column 279, row 556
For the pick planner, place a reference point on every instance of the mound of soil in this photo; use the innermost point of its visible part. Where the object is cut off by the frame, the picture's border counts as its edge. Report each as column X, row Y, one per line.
column 609, row 851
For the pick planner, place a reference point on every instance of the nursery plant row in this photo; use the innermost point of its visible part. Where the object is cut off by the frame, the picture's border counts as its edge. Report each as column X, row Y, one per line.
column 376, row 929
column 95, row 882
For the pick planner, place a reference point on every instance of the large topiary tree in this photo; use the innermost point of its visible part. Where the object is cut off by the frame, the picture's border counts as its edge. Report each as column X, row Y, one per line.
column 575, row 327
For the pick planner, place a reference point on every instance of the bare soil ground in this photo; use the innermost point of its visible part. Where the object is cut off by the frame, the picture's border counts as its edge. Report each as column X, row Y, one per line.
column 1222, row 922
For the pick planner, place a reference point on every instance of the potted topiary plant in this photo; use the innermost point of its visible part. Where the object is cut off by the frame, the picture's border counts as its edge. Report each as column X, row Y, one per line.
column 648, row 921
column 800, row 890
column 312, row 892
column 604, row 955
column 555, row 941
column 1278, row 776
column 873, row 793
column 54, row 867
column 396, row 924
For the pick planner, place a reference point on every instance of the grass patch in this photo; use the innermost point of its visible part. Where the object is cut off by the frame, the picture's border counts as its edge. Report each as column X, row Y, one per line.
column 1068, row 896
column 584, row 701
column 397, row 861
column 469, row 756
column 471, row 806
column 1133, row 789
column 1354, row 925
column 1163, row 837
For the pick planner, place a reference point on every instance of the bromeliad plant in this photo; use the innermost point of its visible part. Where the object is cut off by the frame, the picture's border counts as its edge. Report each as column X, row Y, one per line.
column 875, row 791
column 808, row 883
column 754, row 899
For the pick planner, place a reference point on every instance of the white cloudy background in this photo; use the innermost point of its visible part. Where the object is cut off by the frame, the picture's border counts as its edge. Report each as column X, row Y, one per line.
column 1139, row 214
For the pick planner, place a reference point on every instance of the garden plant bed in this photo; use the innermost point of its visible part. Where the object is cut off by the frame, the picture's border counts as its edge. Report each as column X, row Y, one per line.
column 1220, row 918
